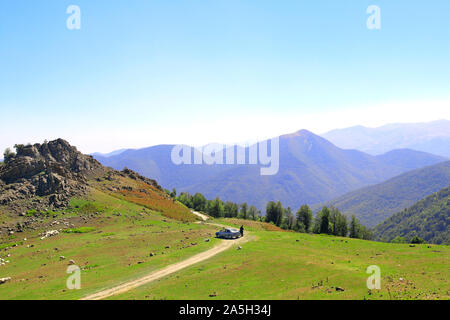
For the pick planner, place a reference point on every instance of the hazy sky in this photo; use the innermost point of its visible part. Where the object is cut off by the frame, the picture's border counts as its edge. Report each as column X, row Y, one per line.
column 141, row 73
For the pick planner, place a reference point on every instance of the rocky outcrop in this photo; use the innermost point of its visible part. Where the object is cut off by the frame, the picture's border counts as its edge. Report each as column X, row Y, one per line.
column 54, row 171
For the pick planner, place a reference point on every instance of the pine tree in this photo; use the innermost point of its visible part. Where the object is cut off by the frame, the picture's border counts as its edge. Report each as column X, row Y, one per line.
column 289, row 218
column 216, row 208
column 244, row 211
column 338, row 223
column 304, row 219
column 354, row 228
column 317, row 222
column 325, row 221
column 279, row 213
column 231, row 210
column 271, row 212
column 186, row 199
column 274, row 213
column 253, row 213
column 199, row 202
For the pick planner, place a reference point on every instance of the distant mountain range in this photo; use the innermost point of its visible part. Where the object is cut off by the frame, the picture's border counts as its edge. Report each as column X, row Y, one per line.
column 432, row 137
column 110, row 154
column 374, row 204
column 427, row 219
column 312, row 170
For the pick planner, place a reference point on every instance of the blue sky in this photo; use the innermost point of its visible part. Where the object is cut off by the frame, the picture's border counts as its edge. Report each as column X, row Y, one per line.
column 140, row 73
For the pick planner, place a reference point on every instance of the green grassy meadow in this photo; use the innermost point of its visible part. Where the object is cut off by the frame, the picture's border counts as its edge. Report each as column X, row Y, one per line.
column 112, row 247
column 111, row 240
column 286, row 265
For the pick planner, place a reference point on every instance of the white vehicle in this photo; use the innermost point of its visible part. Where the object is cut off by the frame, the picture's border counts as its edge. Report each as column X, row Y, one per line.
column 228, row 233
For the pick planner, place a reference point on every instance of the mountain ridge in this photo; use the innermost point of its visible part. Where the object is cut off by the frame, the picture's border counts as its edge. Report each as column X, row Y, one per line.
column 427, row 219
column 373, row 204
column 312, row 170
column 432, row 137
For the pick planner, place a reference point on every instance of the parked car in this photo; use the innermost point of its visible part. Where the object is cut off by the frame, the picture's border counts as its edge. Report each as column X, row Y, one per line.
column 228, row 233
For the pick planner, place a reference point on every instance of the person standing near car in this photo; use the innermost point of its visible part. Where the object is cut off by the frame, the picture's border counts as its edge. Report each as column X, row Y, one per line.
column 242, row 231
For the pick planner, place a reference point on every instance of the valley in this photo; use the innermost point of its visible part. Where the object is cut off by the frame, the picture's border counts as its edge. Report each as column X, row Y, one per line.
column 311, row 171
column 376, row 203
column 225, row 159
column 131, row 239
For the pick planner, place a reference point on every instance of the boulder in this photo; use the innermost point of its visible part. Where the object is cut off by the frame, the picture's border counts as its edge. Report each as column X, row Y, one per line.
column 48, row 234
column 5, row 280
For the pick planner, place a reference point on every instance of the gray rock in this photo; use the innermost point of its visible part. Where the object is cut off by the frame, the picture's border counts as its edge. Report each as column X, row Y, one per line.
column 5, row 280
column 54, row 169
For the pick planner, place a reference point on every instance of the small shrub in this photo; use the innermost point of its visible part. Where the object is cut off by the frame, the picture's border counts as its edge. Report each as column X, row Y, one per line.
column 417, row 240
column 80, row 230
column 8, row 155
column 89, row 208
column 108, row 234
column 399, row 240
column 9, row 245
column 34, row 212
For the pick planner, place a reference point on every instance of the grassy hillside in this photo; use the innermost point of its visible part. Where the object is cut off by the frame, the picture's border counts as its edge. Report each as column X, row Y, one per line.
column 138, row 191
column 109, row 237
column 372, row 205
column 58, row 205
column 427, row 219
column 285, row 265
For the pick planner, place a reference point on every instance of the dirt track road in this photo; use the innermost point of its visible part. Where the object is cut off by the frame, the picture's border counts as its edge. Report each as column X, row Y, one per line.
column 224, row 245
column 198, row 214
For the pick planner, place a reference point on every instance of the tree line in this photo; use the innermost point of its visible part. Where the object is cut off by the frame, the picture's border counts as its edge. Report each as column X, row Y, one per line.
column 327, row 221
column 216, row 207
